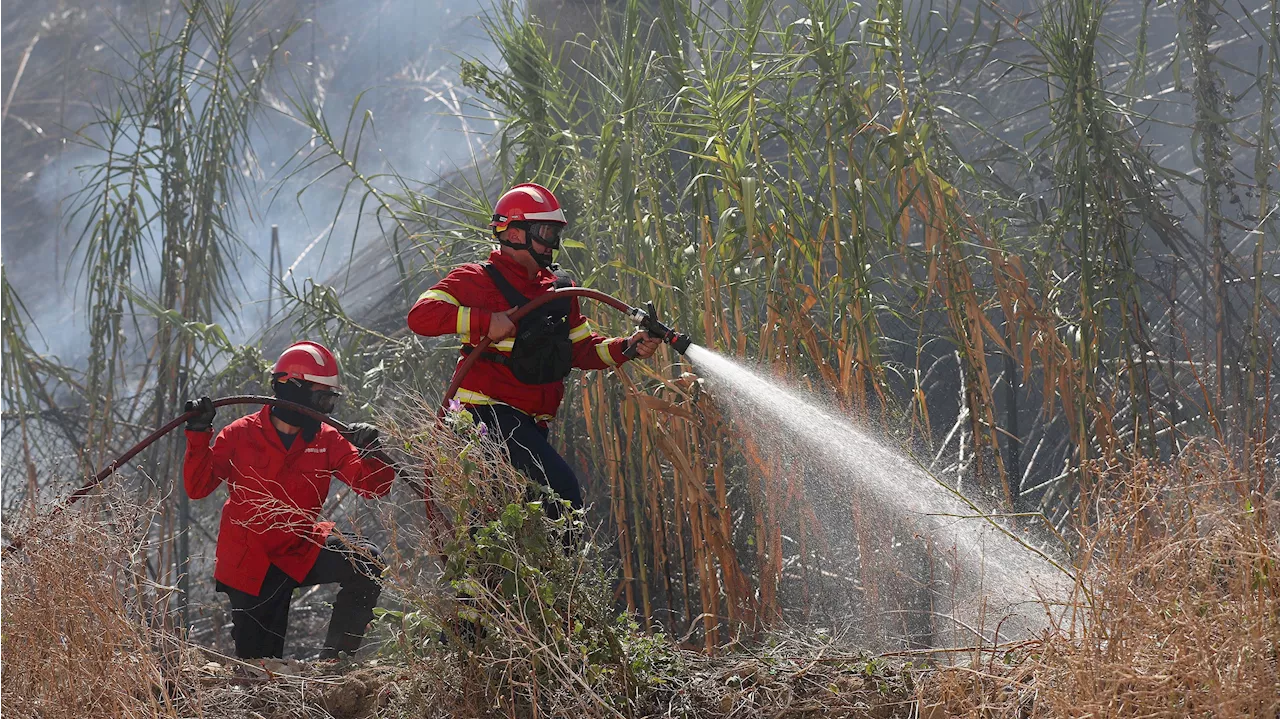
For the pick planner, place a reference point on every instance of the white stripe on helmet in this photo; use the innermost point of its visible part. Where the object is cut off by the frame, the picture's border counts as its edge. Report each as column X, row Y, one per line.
column 555, row 215
column 326, row 380
column 537, row 196
column 311, row 349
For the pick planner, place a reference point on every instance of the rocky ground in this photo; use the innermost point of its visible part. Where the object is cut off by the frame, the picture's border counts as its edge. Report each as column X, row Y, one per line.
column 734, row 686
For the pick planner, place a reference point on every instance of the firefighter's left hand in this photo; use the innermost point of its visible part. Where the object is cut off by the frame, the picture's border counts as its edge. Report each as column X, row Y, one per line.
column 647, row 343
column 365, row 436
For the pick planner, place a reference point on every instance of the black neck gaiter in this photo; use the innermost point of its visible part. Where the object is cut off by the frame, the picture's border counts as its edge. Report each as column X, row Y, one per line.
column 294, row 392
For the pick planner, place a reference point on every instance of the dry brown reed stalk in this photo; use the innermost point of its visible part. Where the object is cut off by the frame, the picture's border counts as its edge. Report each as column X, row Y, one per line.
column 1184, row 618
column 80, row 636
column 694, row 439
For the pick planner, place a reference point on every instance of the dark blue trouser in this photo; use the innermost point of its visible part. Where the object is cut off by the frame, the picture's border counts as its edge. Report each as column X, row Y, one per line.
column 529, row 450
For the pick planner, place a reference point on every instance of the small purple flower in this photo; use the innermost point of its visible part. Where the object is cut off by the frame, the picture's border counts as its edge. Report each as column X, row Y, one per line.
column 455, row 405
column 482, row 429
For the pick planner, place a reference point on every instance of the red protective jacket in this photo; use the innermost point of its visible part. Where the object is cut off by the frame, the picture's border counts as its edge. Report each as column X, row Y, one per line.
column 275, row 494
column 461, row 304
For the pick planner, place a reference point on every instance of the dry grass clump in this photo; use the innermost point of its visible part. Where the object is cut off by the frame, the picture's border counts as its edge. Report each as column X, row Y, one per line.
column 781, row 678
column 1180, row 613
column 76, row 639
column 788, row 676
column 306, row 692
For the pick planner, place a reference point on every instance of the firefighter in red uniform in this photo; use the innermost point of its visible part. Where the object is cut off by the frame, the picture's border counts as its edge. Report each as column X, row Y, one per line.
column 277, row 464
column 517, row 386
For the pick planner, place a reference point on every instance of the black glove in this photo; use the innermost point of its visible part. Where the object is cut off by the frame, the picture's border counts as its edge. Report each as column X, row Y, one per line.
column 202, row 422
column 365, row 436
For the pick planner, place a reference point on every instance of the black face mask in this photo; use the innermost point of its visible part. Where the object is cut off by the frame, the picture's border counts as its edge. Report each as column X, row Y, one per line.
column 321, row 400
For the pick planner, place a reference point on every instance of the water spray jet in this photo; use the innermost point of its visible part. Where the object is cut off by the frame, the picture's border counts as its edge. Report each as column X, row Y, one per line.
column 995, row 570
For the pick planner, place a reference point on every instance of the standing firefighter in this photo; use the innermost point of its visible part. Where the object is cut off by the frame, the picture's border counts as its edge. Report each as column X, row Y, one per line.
column 517, row 385
column 277, row 464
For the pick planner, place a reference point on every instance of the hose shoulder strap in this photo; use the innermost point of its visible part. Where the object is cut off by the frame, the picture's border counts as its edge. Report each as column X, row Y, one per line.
column 512, row 295
column 508, row 291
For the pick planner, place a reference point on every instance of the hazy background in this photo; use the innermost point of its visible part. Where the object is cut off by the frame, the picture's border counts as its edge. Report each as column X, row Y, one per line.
column 401, row 54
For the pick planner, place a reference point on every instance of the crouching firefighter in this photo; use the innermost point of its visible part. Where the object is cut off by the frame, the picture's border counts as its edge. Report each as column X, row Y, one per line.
column 517, row 385
column 277, row 464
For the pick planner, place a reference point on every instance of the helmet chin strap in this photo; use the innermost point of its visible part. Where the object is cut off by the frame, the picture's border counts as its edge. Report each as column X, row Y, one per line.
column 544, row 261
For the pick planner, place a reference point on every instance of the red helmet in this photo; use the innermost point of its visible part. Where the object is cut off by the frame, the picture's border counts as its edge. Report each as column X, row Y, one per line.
column 309, row 362
column 526, row 202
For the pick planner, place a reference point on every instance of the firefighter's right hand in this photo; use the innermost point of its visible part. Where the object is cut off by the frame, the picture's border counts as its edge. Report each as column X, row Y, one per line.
column 501, row 326
column 203, row 420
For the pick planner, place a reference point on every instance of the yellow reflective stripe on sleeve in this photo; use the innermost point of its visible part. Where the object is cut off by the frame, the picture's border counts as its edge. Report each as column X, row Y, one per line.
column 464, row 322
column 606, row 355
column 440, row 295
column 581, row 332
column 505, row 345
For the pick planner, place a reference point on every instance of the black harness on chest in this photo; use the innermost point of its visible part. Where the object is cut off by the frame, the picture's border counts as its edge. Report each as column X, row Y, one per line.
column 543, row 351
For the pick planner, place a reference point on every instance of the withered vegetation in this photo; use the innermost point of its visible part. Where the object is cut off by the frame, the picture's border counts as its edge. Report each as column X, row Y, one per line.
column 1037, row 248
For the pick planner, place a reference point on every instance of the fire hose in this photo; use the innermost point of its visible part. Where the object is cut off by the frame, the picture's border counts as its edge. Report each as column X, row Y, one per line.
column 150, row 439
column 645, row 318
